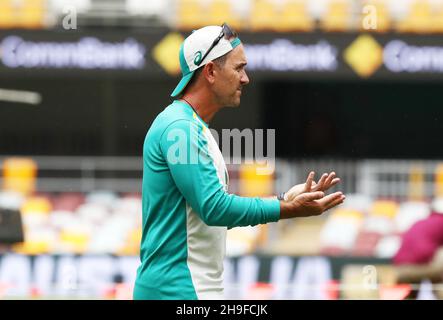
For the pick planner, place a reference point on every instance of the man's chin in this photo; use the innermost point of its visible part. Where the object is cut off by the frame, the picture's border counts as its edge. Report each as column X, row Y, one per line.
column 235, row 103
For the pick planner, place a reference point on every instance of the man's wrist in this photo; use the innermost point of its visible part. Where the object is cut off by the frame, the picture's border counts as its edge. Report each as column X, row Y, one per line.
column 286, row 210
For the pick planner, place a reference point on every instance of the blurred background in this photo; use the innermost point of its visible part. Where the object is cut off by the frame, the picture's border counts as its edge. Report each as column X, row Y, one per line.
column 351, row 86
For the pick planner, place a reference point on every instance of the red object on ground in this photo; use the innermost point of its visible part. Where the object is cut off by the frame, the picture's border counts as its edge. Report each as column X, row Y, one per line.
column 333, row 290
column 395, row 292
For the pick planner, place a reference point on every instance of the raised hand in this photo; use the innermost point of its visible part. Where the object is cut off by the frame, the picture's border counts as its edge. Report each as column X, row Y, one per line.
column 309, row 204
column 326, row 182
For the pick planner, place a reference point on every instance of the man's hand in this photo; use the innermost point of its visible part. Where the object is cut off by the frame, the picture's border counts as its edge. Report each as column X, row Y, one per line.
column 326, row 181
column 308, row 199
column 309, row 204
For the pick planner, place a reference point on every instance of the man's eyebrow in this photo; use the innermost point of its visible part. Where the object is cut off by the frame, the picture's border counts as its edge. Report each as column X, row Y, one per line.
column 242, row 64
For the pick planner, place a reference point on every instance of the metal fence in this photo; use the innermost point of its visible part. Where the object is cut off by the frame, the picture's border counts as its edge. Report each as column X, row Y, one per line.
column 396, row 179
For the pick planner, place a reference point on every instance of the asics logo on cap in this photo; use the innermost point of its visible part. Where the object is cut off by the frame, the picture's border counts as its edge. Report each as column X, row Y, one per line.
column 198, row 58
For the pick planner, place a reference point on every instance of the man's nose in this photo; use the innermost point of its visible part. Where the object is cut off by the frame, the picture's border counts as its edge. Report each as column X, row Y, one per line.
column 244, row 79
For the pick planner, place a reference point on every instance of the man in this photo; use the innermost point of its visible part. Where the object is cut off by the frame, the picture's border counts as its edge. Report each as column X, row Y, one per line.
column 420, row 256
column 186, row 207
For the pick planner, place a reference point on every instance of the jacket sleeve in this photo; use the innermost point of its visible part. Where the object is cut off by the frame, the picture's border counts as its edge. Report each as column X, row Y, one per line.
column 185, row 150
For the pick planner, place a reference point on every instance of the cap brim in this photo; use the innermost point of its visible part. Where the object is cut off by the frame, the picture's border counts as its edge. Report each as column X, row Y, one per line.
column 182, row 84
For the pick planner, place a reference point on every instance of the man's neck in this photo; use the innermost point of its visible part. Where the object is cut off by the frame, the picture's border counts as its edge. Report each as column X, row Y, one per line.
column 204, row 106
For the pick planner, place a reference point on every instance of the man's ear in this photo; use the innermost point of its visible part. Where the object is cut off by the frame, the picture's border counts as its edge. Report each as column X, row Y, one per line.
column 209, row 72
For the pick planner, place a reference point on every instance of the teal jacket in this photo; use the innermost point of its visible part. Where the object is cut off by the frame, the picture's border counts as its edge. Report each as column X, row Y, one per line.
column 187, row 209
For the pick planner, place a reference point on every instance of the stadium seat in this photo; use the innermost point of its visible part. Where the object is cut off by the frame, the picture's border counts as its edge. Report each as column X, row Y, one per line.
column 131, row 246
column 438, row 192
column 220, row 11
column 340, row 231
column 337, row 17
column 419, row 18
column 19, row 175
column 365, row 244
column 151, row 8
column 100, row 222
column 32, row 14
column 263, row 16
column 379, row 224
column 241, row 241
column 129, row 206
column 102, row 197
column 359, row 202
column 416, row 185
column 409, row 213
column 33, row 247
column 67, row 201
column 112, row 235
column 438, row 20
column 387, row 246
column 11, row 200
column 75, row 239
column 7, row 14
column 36, row 205
column 22, row 14
column 384, row 208
column 295, row 17
column 40, row 236
column 76, row 243
column 253, row 183
column 189, row 14
column 92, row 213
column 61, row 219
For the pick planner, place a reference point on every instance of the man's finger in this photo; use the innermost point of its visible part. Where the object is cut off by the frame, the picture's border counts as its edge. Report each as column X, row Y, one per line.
column 330, row 177
column 335, row 203
column 309, row 180
column 311, row 196
column 330, row 198
column 334, row 182
column 331, row 184
column 321, row 182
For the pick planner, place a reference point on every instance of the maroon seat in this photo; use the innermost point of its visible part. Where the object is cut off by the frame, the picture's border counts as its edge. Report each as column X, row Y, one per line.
column 365, row 244
column 68, row 201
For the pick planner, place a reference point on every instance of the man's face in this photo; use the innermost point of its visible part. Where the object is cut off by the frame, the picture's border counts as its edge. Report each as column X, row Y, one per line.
column 231, row 78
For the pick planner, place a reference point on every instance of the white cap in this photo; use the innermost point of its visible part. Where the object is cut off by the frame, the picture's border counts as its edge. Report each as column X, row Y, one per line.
column 194, row 48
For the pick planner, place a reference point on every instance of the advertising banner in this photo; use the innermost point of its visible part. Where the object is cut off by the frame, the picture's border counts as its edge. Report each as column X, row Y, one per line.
column 154, row 54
